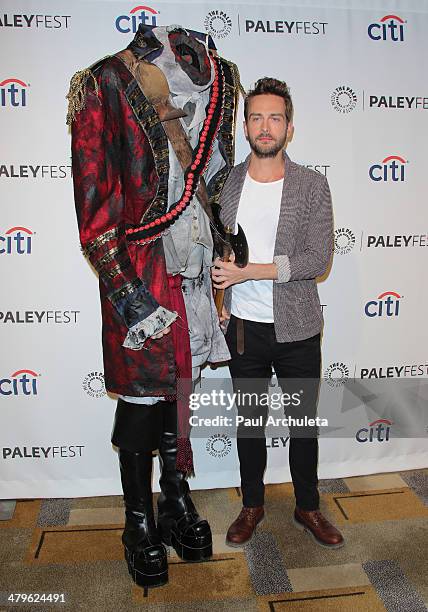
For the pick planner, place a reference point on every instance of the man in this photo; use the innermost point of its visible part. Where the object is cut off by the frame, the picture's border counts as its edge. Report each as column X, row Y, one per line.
column 152, row 143
column 285, row 212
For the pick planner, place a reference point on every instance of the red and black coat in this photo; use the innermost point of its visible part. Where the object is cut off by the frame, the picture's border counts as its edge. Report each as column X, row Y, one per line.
column 120, row 171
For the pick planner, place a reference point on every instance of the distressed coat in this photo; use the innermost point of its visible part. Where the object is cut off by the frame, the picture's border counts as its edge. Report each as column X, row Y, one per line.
column 120, row 171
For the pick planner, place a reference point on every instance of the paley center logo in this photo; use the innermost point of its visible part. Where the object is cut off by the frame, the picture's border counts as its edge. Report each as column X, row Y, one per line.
column 336, row 374
column 16, row 241
column 13, row 92
column 344, row 241
column 344, row 99
column 94, row 385
column 387, row 304
column 218, row 24
column 392, row 168
column 218, row 445
column 378, row 431
column 139, row 14
column 21, row 382
column 390, row 27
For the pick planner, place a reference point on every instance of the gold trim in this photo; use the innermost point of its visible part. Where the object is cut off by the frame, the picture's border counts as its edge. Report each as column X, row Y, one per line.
column 100, row 240
column 77, row 93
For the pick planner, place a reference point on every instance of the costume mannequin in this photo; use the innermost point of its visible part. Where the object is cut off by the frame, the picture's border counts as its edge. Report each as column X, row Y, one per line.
column 152, row 143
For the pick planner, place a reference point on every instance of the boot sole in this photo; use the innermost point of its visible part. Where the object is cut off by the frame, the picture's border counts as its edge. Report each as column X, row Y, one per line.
column 188, row 553
column 184, row 551
column 301, row 527
column 143, row 579
column 235, row 545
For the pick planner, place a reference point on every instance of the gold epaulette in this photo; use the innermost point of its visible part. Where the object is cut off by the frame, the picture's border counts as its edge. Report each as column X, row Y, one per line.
column 77, row 93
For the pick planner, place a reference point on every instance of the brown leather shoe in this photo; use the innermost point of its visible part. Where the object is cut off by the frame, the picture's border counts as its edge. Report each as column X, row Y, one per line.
column 242, row 529
column 321, row 530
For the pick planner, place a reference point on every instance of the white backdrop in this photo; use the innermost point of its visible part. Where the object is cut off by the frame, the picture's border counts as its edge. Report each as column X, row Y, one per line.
column 357, row 72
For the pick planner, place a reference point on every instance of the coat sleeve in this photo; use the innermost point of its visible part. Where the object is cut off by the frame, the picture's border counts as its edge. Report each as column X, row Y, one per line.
column 99, row 204
column 315, row 257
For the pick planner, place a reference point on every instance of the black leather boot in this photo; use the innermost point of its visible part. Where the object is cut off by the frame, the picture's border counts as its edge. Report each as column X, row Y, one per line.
column 179, row 524
column 144, row 551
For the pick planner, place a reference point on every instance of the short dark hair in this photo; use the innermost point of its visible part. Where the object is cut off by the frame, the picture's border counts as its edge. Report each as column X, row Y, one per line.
column 269, row 85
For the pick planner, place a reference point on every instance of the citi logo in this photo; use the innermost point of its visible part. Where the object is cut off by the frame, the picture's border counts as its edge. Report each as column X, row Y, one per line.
column 390, row 27
column 16, row 241
column 13, row 92
column 386, row 305
column 378, row 431
column 391, row 168
column 140, row 14
column 21, row 382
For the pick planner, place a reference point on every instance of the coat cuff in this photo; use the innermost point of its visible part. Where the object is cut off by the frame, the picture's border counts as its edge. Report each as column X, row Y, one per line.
column 159, row 320
column 284, row 270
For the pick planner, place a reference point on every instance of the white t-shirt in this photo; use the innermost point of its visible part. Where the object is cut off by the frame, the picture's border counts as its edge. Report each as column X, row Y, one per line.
column 258, row 214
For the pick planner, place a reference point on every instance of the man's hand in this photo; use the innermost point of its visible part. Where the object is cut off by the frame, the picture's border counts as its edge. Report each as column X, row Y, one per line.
column 164, row 332
column 226, row 273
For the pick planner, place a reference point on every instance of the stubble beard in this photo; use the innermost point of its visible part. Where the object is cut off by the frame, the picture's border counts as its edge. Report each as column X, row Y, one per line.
column 265, row 153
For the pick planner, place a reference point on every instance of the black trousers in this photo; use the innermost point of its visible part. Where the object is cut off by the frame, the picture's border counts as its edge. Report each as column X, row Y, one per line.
column 251, row 372
column 139, row 427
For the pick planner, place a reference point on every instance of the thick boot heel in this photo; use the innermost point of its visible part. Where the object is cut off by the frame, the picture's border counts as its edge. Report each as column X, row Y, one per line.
column 187, row 552
column 147, row 573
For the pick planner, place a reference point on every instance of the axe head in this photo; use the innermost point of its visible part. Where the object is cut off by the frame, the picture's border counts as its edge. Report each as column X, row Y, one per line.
column 225, row 241
column 239, row 245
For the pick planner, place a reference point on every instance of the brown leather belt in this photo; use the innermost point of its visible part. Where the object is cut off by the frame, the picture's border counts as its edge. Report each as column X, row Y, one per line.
column 240, row 344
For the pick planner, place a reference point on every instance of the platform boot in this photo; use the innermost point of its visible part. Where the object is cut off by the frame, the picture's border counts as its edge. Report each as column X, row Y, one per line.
column 144, row 551
column 179, row 524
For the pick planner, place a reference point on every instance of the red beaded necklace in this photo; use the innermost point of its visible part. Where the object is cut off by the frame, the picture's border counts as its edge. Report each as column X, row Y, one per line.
column 149, row 232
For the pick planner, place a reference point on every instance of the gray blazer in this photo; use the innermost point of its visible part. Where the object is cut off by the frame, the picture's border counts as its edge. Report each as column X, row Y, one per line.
column 303, row 246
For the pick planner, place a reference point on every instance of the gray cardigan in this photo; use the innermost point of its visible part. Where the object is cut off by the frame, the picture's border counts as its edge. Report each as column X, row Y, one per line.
column 303, row 246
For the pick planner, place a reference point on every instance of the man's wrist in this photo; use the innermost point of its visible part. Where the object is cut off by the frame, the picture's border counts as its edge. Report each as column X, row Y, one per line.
column 255, row 271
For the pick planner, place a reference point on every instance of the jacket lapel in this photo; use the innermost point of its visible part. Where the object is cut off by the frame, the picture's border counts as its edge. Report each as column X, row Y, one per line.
column 232, row 194
column 288, row 215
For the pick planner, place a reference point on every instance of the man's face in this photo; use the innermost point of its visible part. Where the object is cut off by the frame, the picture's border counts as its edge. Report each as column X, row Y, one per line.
column 266, row 128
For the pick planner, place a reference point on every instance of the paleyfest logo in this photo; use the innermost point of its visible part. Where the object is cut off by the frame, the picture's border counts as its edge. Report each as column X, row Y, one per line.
column 344, row 241
column 21, row 382
column 344, row 99
column 138, row 15
column 218, row 24
column 13, row 92
column 390, row 27
column 16, row 241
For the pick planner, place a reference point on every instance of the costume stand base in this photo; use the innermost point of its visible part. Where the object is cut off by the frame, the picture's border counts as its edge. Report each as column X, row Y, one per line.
column 144, row 551
column 179, row 524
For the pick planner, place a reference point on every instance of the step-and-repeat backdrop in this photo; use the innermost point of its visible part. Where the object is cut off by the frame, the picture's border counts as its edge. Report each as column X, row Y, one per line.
column 357, row 73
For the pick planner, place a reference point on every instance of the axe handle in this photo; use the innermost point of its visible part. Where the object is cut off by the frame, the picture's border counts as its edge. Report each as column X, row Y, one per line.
column 219, row 293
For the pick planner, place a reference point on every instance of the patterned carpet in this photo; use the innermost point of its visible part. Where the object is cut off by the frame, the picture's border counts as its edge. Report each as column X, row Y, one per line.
column 73, row 546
